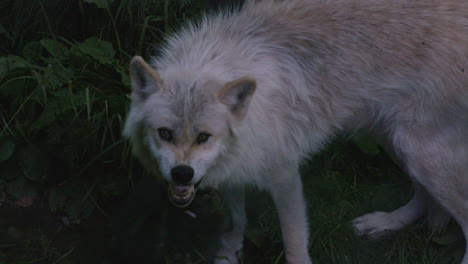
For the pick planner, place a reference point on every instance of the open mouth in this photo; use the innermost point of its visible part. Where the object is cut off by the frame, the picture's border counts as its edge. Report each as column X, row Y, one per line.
column 181, row 195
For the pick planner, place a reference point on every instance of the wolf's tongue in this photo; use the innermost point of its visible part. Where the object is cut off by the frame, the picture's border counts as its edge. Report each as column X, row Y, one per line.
column 181, row 188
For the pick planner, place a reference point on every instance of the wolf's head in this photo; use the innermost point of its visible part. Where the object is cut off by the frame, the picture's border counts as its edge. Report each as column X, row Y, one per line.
column 181, row 126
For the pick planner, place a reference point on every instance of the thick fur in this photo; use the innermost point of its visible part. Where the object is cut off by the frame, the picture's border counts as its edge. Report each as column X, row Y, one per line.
column 302, row 71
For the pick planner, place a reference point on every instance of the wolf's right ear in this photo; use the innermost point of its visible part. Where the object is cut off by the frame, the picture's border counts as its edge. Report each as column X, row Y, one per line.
column 145, row 80
column 236, row 95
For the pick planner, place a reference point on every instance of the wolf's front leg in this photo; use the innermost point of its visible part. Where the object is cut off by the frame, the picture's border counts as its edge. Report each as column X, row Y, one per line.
column 232, row 239
column 291, row 207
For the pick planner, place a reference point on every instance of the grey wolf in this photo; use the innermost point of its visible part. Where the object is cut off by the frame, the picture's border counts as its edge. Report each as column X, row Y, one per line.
column 242, row 97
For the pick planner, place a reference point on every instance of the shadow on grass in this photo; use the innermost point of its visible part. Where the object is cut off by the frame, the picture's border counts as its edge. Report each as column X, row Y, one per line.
column 340, row 184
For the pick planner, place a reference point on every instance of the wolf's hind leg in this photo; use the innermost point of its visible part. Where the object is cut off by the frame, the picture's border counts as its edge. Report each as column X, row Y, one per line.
column 232, row 240
column 439, row 161
column 376, row 223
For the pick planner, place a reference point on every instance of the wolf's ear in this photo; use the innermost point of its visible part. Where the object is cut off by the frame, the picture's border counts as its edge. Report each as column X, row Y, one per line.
column 237, row 95
column 145, row 80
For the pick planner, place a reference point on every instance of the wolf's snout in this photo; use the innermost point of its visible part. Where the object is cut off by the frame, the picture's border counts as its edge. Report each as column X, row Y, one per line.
column 181, row 191
column 182, row 174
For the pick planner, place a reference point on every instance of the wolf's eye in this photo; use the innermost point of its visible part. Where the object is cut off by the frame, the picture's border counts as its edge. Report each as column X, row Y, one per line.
column 165, row 133
column 203, row 137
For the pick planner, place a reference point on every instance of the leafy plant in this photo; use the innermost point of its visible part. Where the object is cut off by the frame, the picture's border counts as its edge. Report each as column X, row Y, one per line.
column 64, row 89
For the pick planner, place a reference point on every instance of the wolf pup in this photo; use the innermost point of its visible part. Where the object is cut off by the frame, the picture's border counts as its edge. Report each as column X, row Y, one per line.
column 243, row 96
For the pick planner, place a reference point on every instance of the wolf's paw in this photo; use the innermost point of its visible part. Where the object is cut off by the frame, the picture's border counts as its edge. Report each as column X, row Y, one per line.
column 227, row 257
column 376, row 224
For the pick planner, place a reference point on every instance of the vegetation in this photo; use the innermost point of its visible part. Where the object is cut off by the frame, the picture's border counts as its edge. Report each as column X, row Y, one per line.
column 64, row 89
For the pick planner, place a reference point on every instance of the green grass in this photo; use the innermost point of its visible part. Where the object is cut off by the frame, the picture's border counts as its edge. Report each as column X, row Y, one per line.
column 354, row 183
column 340, row 184
column 64, row 88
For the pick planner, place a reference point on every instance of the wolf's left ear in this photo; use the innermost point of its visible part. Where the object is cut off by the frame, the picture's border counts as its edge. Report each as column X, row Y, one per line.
column 145, row 80
column 237, row 95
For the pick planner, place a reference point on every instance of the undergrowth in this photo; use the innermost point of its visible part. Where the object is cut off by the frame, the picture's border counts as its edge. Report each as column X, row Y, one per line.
column 64, row 89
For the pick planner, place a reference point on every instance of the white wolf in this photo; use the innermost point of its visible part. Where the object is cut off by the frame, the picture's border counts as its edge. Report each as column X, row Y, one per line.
column 243, row 96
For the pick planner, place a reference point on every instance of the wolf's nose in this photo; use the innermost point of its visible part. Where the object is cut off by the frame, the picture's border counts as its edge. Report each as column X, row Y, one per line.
column 182, row 174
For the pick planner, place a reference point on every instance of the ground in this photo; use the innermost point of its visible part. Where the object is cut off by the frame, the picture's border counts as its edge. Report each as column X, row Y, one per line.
column 340, row 184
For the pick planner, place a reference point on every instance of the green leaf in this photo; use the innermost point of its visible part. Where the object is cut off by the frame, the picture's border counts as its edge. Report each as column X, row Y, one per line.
column 16, row 88
column 73, row 211
column 45, row 119
column 55, row 48
column 2, row 184
column 445, row 239
column 184, row 3
column 7, row 64
column 366, row 144
column 9, row 170
column 32, row 51
column 100, row 3
column 32, row 164
column 64, row 74
column 86, row 209
column 56, row 75
column 125, row 77
column 345, row 206
column 21, row 187
column 7, row 147
column 75, row 52
column 57, row 199
column 3, row 31
column 98, row 49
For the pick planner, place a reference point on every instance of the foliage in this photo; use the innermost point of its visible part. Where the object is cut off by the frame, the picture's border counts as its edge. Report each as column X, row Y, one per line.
column 62, row 108
column 64, row 89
